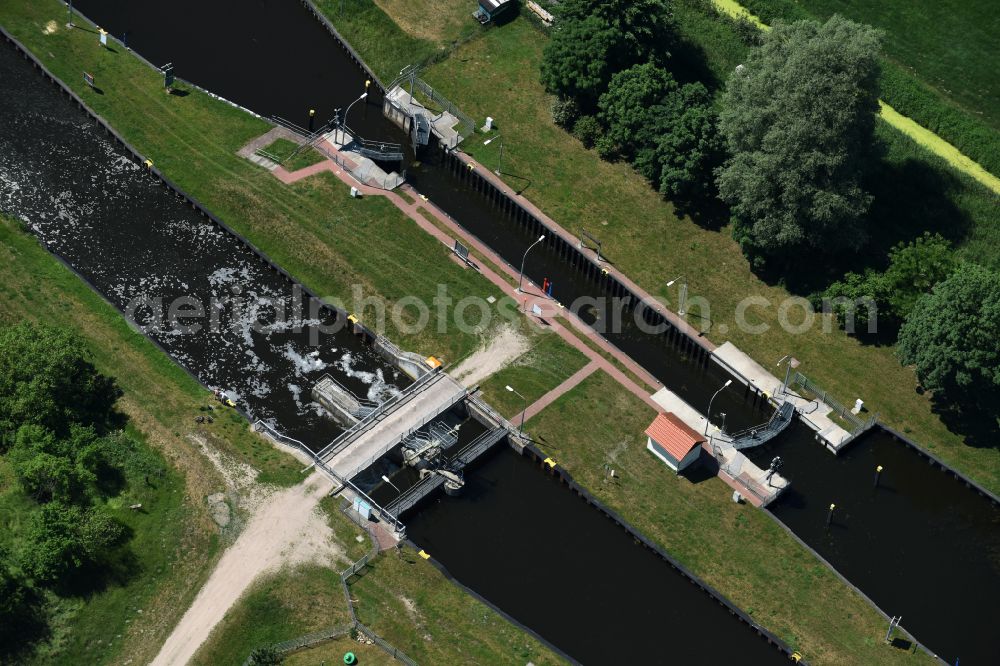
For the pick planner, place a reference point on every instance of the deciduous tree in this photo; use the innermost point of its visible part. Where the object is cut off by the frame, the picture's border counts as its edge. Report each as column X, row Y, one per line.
column 798, row 118
column 951, row 338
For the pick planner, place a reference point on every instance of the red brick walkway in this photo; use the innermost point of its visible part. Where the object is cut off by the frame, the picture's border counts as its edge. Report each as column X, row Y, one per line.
column 555, row 393
column 552, row 312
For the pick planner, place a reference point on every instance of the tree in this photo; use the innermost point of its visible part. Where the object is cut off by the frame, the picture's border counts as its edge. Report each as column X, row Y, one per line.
column 265, row 656
column 635, row 111
column 798, row 118
column 47, row 378
column 951, row 338
column 914, row 268
column 646, row 25
column 61, row 539
column 579, row 59
column 593, row 39
column 687, row 154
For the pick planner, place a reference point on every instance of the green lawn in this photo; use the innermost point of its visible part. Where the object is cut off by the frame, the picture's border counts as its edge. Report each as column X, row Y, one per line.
column 417, row 33
column 950, row 45
column 548, row 362
column 278, row 608
column 737, row 549
column 283, row 149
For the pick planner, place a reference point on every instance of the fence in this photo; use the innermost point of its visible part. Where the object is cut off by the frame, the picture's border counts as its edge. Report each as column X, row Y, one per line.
column 409, row 77
column 857, row 424
column 339, row 631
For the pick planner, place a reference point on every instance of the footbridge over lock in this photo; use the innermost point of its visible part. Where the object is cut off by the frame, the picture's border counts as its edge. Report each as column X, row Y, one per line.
column 390, row 423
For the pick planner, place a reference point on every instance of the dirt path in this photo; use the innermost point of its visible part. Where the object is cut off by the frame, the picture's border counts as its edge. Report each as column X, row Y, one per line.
column 907, row 126
column 285, row 530
column 501, row 350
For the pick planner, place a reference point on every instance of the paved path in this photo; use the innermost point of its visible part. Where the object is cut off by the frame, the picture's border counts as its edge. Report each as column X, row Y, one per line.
column 907, row 126
column 550, row 397
column 285, row 530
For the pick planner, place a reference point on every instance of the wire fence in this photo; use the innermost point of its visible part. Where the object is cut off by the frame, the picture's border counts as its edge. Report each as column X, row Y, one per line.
column 355, row 627
column 812, row 389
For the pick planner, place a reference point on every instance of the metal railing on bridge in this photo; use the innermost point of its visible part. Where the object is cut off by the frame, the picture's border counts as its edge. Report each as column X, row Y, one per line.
column 765, row 432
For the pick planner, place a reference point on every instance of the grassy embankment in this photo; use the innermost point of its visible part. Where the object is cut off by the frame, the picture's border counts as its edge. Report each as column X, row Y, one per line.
column 401, row 597
column 647, row 240
column 737, row 549
column 173, row 539
column 312, row 228
column 938, row 67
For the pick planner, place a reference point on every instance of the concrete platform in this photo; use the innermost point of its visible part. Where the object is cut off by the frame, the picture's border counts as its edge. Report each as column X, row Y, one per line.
column 387, row 428
column 814, row 412
column 442, row 124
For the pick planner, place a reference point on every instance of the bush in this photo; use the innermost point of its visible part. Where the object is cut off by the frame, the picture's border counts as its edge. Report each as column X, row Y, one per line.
column 587, row 130
column 565, row 112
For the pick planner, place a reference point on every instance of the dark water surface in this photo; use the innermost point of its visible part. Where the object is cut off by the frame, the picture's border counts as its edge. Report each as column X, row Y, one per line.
column 135, row 242
column 549, row 560
column 921, row 544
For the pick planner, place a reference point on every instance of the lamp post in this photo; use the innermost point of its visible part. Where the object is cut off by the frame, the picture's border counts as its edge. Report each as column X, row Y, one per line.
column 500, row 159
column 708, row 416
column 520, row 279
column 386, row 479
column 363, row 95
column 684, row 292
column 792, row 363
column 520, row 428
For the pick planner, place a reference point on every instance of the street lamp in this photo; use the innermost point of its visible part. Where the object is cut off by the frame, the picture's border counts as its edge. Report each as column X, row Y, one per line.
column 520, row 280
column 500, row 159
column 520, row 428
column 708, row 417
column 792, row 363
column 386, row 479
column 363, row 95
column 683, row 294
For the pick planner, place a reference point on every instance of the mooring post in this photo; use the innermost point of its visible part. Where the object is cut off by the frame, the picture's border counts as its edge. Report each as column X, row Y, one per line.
column 878, row 473
column 312, row 117
column 829, row 516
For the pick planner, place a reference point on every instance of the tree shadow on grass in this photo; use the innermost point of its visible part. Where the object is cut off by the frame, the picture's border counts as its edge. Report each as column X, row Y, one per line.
column 689, row 64
column 25, row 629
column 116, row 568
column 979, row 428
column 909, row 198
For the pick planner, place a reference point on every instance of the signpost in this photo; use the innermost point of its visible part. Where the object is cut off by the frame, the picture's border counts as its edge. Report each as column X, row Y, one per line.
column 168, row 75
column 88, row 79
column 103, row 37
column 461, row 251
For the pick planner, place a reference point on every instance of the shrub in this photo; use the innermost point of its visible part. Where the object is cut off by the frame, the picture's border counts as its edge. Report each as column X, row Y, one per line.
column 587, row 130
column 565, row 112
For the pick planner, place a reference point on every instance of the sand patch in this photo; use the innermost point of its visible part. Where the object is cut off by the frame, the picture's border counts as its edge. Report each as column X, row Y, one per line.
column 498, row 352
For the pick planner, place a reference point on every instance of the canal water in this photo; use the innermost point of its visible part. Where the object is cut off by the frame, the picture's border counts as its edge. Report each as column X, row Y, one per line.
column 881, row 559
column 259, row 338
column 545, row 557
column 920, row 543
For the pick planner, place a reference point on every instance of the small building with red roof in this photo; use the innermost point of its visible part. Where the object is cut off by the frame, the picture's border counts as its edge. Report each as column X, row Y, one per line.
column 673, row 441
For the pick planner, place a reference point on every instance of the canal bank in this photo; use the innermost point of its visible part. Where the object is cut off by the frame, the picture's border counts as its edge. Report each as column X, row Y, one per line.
column 159, row 257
